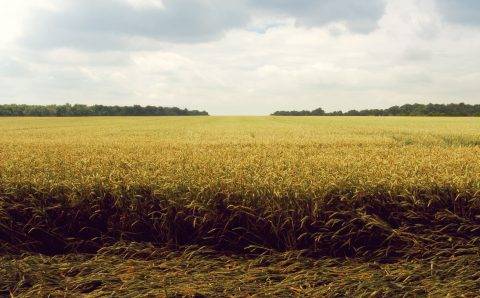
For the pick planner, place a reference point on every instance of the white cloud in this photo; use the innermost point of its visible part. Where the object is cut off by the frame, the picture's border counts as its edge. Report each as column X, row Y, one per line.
column 146, row 4
column 272, row 62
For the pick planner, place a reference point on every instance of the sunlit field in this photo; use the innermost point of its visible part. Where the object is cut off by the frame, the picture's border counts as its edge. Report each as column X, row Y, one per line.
column 252, row 204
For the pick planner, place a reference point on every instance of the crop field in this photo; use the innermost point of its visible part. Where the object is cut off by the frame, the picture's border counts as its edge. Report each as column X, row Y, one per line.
column 239, row 206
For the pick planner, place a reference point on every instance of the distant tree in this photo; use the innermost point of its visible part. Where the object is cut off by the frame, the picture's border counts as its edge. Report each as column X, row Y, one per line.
column 95, row 110
column 336, row 113
column 318, row 112
column 452, row 109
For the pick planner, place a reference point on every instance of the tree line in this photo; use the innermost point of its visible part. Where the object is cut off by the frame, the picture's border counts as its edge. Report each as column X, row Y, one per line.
column 452, row 109
column 94, row 110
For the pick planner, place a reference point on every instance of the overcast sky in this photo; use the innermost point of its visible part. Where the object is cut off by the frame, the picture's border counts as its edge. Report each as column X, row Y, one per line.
column 240, row 56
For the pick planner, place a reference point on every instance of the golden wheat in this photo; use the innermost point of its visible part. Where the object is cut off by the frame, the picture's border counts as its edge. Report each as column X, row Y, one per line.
column 373, row 189
column 252, row 157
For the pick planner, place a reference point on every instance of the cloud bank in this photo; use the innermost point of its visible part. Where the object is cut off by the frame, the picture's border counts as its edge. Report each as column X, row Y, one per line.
column 240, row 57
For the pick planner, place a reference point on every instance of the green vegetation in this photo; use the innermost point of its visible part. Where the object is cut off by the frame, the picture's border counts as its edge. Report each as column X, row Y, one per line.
column 95, row 110
column 240, row 205
column 417, row 109
column 316, row 112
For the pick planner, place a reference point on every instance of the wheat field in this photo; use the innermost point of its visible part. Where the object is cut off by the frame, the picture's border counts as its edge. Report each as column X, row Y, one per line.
column 272, row 197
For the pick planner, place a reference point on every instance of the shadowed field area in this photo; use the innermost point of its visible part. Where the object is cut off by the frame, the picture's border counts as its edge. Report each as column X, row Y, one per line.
column 240, row 205
column 132, row 270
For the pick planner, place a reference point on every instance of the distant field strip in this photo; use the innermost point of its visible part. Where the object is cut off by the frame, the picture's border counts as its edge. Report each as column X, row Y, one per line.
column 376, row 188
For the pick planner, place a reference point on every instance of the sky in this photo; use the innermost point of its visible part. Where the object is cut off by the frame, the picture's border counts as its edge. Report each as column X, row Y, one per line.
column 240, row 57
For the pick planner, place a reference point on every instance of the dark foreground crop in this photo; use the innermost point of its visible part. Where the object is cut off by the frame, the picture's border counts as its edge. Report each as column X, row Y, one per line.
column 132, row 270
column 382, row 228
column 381, row 245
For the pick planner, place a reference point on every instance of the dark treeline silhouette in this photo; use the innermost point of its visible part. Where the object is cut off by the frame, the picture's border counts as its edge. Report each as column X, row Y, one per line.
column 316, row 112
column 452, row 109
column 95, row 110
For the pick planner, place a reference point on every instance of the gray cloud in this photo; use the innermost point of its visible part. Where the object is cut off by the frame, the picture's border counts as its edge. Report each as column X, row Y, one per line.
column 465, row 12
column 107, row 24
column 360, row 16
column 417, row 55
column 11, row 67
column 111, row 24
